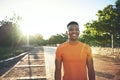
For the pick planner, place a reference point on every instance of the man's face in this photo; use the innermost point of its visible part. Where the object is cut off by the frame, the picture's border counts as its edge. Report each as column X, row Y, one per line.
column 73, row 32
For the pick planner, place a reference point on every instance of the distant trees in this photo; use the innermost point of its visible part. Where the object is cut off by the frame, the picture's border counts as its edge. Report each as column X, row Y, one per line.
column 36, row 39
column 57, row 39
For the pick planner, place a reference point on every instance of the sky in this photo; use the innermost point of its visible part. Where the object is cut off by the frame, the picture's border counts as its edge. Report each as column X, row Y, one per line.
column 50, row 17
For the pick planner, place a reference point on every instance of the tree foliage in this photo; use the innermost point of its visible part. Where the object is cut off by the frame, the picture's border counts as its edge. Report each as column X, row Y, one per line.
column 57, row 39
column 10, row 34
column 36, row 39
column 98, row 32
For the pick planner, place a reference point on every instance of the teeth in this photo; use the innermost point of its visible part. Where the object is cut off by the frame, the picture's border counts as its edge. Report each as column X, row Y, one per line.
column 74, row 35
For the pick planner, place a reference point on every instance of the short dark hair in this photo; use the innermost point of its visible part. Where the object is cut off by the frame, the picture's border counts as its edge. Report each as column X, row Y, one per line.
column 72, row 23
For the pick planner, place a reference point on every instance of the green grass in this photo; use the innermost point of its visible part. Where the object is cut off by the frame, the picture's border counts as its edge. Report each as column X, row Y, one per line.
column 8, row 52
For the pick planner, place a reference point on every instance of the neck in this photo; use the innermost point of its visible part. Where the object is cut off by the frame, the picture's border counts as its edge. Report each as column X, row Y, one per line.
column 73, row 41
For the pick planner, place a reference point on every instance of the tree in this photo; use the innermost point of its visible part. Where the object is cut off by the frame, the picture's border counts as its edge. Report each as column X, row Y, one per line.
column 36, row 39
column 106, row 28
column 10, row 34
column 57, row 39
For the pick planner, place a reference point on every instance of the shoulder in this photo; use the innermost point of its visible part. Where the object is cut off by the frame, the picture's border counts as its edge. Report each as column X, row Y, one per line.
column 63, row 45
column 86, row 46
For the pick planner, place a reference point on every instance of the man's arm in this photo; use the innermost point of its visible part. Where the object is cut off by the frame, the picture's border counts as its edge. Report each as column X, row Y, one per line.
column 58, row 69
column 91, row 72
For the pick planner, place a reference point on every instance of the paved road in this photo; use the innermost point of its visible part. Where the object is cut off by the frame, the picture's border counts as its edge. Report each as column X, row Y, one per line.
column 49, row 53
column 105, row 68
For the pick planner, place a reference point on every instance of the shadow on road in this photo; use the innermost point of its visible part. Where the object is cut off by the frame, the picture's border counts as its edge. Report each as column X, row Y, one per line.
column 29, row 63
column 107, row 59
column 105, row 75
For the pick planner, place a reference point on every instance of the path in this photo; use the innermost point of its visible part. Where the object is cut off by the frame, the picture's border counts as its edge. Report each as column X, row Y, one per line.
column 30, row 67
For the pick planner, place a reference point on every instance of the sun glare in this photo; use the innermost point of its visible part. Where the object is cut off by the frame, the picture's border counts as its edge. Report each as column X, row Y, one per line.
column 33, row 26
column 27, row 29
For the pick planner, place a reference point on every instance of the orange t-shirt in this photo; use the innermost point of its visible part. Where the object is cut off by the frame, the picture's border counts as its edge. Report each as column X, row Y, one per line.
column 74, row 60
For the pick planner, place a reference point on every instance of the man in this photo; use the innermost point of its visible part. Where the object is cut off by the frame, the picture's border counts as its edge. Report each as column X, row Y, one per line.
column 75, row 56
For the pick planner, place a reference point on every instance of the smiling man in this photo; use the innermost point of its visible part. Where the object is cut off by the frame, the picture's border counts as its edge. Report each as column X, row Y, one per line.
column 75, row 57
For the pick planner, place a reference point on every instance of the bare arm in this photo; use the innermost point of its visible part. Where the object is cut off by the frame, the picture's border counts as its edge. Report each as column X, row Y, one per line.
column 91, row 72
column 58, row 70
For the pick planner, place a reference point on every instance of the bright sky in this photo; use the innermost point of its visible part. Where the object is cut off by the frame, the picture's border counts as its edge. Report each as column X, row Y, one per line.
column 49, row 17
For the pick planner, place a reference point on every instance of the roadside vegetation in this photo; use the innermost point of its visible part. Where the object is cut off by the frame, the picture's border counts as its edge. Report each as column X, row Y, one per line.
column 7, row 52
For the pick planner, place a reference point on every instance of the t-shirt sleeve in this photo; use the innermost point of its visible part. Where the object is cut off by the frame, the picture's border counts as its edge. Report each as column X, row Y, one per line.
column 58, row 54
column 89, row 51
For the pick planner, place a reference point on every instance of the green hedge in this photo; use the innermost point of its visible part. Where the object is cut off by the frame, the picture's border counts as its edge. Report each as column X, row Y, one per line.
column 8, row 52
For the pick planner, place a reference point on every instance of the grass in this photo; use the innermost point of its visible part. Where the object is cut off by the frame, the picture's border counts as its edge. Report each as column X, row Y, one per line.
column 7, row 52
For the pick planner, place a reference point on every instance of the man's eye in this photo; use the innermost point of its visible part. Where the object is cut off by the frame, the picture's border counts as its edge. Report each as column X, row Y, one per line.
column 71, row 30
column 74, row 30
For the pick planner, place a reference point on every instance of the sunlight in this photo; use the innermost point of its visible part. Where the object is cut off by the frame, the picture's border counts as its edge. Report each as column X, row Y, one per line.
column 33, row 25
column 27, row 29
column 94, row 51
